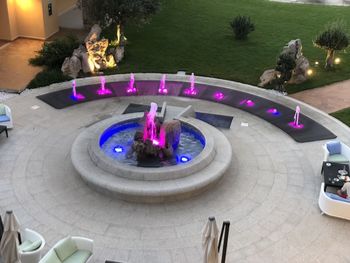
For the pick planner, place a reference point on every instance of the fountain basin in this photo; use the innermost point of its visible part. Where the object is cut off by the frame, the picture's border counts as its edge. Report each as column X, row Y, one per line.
column 116, row 142
column 110, row 165
column 150, row 185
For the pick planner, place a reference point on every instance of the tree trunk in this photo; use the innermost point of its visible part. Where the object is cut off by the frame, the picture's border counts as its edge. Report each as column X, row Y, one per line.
column 330, row 59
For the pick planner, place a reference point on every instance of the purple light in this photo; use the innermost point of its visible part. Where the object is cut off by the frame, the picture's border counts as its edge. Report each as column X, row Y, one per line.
column 155, row 142
column 162, row 88
column 192, row 90
column 184, row 159
column 103, row 90
column 248, row 103
column 76, row 96
column 219, row 96
column 296, row 126
column 131, row 88
column 296, row 123
column 118, row 149
column 273, row 111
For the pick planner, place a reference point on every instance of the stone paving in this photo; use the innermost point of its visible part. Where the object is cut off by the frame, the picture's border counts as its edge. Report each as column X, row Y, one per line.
column 15, row 56
column 329, row 98
column 269, row 193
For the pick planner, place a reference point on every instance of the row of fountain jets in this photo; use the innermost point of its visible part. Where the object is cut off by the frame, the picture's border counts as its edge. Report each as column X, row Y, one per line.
column 131, row 87
column 192, row 91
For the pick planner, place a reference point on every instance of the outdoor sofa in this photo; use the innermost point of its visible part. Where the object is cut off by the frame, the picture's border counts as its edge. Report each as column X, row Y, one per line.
column 336, row 152
column 334, row 205
column 70, row 250
column 6, row 116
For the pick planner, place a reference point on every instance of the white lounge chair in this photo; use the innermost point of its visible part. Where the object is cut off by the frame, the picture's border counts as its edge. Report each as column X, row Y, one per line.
column 30, row 237
column 334, row 205
column 6, row 116
column 83, row 254
column 336, row 152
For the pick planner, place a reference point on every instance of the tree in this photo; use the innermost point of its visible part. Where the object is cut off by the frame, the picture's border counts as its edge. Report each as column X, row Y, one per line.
column 120, row 12
column 332, row 39
column 285, row 65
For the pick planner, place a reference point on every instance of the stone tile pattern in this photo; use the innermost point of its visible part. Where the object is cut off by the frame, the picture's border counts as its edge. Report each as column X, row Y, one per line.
column 269, row 193
column 15, row 73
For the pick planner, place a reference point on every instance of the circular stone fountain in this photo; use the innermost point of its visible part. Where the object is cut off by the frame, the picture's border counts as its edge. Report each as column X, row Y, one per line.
column 120, row 178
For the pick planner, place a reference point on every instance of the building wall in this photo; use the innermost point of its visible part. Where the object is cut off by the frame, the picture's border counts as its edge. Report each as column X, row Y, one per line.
column 27, row 18
column 8, row 28
column 65, row 5
column 50, row 22
column 30, row 21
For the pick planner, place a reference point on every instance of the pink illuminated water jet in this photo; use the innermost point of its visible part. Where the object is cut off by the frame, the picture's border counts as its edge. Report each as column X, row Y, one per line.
column 162, row 87
column 192, row 90
column 103, row 90
column 150, row 128
column 248, row 103
column 75, row 95
column 273, row 111
column 295, row 124
column 219, row 96
column 131, row 88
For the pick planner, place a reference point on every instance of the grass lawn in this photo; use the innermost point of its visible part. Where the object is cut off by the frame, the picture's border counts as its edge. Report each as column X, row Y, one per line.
column 343, row 116
column 195, row 36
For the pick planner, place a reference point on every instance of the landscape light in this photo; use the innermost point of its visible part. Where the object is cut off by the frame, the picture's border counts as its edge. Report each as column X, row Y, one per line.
column 337, row 61
column 184, row 159
column 118, row 149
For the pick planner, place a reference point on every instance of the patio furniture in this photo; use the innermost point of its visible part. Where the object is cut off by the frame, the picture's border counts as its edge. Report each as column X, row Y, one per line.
column 4, row 129
column 333, row 205
column 337, row 152
column 6, row 116
column 70, row 250
column 31, row 248
column 334, row 174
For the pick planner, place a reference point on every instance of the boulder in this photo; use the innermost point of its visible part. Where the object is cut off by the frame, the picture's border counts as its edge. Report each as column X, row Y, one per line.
column 294, row 48
column 94, row 33
column 71, row 66
column 97, row 53
column 300, row 71
column 267, row 77
column 172, row 130
column 119, row 53
column 86, row 64
column 79, row 51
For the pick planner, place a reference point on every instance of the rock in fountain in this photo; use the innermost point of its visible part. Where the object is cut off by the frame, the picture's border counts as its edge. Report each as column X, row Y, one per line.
column 157, row 141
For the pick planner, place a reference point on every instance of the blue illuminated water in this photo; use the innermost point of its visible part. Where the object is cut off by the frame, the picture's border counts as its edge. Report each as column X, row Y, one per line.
column 116, row 141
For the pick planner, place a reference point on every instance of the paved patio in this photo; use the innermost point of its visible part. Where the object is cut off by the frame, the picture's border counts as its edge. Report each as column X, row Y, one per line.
column 329, row 98
column 15, row 73
column 269, row 193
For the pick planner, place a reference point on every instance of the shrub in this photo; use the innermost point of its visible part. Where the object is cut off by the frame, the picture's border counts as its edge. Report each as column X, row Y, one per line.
column 285, row 65
column 53, row 53
column 333, row 38
column 46, row 78
column 242, row 26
